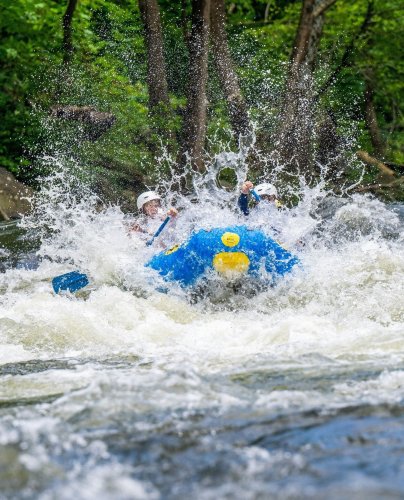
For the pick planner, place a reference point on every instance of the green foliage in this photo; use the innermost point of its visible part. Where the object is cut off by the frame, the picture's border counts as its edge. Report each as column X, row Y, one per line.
column 378, row 52
column 109, row 71
column 22, row 50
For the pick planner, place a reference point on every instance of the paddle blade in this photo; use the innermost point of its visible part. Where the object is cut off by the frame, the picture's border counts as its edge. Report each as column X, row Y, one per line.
column 69, row 282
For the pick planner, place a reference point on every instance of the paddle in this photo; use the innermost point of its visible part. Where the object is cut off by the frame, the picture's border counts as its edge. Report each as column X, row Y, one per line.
column 163, row 225
column 73, row 281
column 69, row 282
column 255, row 194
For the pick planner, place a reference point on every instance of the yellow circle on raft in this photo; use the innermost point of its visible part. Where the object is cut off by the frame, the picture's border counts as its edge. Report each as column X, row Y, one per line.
column 231, row 262
column 230, row 239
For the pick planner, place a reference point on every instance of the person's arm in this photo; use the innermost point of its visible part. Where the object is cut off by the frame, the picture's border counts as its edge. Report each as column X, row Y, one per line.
column 137, row 225
column 243, row 203
column 243, row 198
column 135, row 228
column 172, row 212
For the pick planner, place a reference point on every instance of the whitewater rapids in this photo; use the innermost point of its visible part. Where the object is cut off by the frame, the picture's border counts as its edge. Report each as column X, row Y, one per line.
column 125, row 392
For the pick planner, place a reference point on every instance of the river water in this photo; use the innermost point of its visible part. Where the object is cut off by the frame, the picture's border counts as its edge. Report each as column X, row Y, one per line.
column 124, row 392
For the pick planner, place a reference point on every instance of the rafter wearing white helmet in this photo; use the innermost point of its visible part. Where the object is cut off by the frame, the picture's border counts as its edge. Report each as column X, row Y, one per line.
column 146, row 197
column 266, row 189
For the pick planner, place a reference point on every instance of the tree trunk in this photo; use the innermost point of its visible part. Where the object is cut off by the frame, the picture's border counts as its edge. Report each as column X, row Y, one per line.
column 67, row 44
column 224, row 65
column 156, row 68
column 184, row 22
column 371, row 118
column 307, row 38
column 294, row 137
column 194, row 126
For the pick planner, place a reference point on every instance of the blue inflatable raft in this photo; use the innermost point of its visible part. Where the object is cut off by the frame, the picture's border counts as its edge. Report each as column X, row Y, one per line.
column 231, row 252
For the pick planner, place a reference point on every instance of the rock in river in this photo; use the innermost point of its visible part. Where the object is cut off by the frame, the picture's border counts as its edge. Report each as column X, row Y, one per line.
column 14, row 196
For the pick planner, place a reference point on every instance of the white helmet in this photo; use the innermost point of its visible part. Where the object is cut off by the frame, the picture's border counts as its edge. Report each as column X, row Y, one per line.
column 145, row 197
column 266, row 189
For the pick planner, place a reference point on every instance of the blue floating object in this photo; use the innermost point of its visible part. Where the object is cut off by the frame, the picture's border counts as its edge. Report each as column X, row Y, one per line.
column 230, row 251
column 70, row 282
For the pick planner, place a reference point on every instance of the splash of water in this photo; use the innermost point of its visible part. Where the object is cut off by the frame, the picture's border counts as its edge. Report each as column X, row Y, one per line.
column 352, row 235
column 100, row 388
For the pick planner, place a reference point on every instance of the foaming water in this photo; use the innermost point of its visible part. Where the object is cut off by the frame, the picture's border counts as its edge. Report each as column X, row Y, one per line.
column 121, row 391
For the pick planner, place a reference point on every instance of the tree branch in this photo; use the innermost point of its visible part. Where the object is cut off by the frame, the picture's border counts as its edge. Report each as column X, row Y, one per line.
column 322, row 7
column 67, row 31
column 386, row 173
column 374, row 187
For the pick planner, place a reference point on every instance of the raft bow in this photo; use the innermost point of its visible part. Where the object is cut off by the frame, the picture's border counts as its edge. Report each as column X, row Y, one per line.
column 231, row 252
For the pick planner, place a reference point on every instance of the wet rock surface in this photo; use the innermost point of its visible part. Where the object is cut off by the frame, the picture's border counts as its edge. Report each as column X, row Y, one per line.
column 14, row 196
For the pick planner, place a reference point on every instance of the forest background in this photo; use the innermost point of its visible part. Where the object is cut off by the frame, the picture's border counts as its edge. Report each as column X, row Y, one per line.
column 130, row 90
